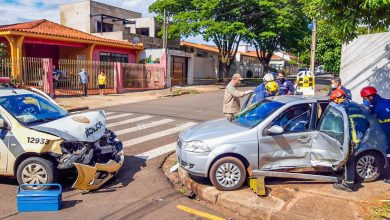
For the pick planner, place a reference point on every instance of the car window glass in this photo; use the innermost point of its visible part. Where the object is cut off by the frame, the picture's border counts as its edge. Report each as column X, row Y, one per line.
column 295, row 119
column 256, row 113
column 332, row 124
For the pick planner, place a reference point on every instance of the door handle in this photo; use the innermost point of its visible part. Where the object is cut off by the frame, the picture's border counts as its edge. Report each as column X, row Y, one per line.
column 304, row 139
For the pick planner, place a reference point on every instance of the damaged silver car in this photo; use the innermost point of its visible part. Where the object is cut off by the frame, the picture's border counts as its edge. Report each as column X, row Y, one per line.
column 281, row 136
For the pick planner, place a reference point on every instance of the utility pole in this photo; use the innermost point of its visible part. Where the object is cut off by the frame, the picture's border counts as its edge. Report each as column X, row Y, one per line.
column 313, row 45
column 165, row 46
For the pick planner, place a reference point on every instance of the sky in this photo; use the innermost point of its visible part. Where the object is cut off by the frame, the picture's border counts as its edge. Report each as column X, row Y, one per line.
column 15, row 11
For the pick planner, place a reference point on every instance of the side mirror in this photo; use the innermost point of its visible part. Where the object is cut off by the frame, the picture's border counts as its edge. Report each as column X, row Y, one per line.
column 3, row 125
column 275, row 129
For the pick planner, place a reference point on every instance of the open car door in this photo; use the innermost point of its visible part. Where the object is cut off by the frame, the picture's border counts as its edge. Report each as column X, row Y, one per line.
column 248, row 101
column 330, row 146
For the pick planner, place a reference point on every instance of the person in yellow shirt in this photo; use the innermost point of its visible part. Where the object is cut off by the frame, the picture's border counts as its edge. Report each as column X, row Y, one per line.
column 102, row 82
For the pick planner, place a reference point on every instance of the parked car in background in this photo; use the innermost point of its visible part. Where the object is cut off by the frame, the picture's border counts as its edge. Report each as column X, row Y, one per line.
column 282, row 133
column 319, row 70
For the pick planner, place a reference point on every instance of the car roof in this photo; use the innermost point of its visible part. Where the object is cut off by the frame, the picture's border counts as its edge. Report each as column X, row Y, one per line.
column 7, row 91
column 291, row 98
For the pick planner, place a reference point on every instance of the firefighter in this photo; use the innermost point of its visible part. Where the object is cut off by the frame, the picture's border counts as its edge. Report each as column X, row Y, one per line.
column 271, row 89
column 381, row 108
column 358, row 127
column 260, row 89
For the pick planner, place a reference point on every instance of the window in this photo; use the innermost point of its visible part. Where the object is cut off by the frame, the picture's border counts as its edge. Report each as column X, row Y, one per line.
column 114, row 57
column 106, row 27
column 256, row 113
column 142, row 31
column 332, row 124
column 295, row 118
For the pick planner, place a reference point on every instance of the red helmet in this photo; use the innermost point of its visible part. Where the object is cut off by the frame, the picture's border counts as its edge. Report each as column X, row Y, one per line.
column 337, row 93
column 367, row 91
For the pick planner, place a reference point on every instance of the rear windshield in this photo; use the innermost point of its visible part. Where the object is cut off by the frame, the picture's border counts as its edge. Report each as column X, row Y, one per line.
column 256, row 113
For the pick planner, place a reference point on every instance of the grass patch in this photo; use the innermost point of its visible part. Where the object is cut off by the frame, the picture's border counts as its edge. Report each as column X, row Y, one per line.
column 181, row 91
column 182, row 191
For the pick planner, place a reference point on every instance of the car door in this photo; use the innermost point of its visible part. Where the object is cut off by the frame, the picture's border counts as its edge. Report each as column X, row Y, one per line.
column 330, row 144
column 291, row 148
column 3, row 148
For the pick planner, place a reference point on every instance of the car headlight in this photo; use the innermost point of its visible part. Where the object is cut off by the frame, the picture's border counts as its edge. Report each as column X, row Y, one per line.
column 196, row 147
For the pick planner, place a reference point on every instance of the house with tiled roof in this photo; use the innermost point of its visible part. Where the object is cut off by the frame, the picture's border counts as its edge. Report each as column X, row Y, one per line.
column 46, row 39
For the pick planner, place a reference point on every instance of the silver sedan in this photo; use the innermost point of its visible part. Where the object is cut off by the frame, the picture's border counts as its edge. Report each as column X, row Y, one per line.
column 285, row 133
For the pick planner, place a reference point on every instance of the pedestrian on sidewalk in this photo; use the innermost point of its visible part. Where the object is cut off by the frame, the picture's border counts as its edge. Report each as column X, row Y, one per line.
column 231, row 100
column 84, row 81
column 102, row 82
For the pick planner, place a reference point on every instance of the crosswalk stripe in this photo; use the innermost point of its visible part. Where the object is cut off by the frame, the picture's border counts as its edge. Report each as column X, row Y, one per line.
column 143, row 126
column 110, row 113
column 128, row 121
column 157, row 134
column 157, row 152
column 118, row 116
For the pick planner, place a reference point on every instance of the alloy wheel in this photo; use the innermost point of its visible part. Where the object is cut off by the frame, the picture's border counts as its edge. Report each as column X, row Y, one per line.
column 228, row 174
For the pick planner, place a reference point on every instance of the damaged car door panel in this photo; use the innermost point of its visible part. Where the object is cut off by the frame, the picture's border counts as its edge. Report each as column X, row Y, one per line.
column 280, row 137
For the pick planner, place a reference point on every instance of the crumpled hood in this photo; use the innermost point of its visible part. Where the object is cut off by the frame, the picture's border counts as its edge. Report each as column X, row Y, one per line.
column 84, row 127
column 210, row 130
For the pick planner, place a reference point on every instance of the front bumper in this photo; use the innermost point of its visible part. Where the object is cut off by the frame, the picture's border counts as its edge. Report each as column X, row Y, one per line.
column 92, row 178
column 194, row 163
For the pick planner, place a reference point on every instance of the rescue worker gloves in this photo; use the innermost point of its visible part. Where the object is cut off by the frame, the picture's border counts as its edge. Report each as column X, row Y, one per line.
column 272, row 86
column 337, row 96
column 367, row 91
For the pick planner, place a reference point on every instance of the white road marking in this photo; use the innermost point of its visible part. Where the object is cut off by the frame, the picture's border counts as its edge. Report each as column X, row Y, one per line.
column 156, row 135
column 143, row 126
column 110, row 113
column 128, row 121
column 118, row 116
column 157, row 152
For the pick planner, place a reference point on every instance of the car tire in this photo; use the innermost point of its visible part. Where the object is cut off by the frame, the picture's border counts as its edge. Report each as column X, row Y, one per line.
column 228, row 173
column 36, row 170
column 369, row 167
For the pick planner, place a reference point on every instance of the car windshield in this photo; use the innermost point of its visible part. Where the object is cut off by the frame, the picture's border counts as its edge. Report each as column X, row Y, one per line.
column 31, row 109
column 256, row 113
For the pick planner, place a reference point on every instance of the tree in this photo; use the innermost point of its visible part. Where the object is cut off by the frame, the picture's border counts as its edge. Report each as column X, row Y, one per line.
column 3, row 50
column 221, row 21
column 283, row 27
column 348, row 15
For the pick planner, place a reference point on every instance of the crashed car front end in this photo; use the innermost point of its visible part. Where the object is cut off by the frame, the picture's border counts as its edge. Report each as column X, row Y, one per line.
column 96, row 162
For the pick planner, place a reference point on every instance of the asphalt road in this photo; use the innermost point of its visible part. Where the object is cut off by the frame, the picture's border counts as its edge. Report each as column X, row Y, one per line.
column 141, row 191
column 149, row 131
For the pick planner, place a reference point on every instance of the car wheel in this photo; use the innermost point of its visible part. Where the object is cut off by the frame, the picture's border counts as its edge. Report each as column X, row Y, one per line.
column 36, row 170
column 228, row 173
column 369, row 167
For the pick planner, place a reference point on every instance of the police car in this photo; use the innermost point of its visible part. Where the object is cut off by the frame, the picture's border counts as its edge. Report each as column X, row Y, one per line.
column 39, row 139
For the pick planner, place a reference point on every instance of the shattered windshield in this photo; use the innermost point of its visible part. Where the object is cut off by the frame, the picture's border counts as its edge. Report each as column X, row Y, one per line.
column 256, row 113
column 32, row 109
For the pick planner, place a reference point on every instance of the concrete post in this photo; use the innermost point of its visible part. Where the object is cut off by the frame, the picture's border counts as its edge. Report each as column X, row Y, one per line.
column 118, row 78
column 48, row 77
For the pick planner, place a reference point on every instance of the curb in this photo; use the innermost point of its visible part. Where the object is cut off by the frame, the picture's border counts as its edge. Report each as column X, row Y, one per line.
column 281, row 203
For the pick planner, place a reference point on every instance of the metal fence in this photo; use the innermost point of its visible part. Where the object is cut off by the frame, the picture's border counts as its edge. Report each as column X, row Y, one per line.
column 246, row 70
column 5, row 67
column 68, row 82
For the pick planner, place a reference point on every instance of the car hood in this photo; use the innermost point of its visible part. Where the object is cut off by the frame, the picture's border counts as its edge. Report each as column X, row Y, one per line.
column 84, row 127
column 212, row 129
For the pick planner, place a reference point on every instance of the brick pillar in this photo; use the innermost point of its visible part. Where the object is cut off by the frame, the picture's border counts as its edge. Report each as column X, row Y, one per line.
column 48, row 77
column 118, row 78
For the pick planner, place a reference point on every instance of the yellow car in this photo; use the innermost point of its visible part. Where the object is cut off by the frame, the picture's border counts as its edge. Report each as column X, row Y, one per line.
column 39, row 138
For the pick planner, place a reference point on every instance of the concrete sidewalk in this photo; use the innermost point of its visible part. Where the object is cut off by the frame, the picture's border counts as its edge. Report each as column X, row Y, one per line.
column 96, row 101
column 286, row 199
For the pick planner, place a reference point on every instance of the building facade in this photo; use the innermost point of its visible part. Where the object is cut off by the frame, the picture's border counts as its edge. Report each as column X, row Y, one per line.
column 112, row 22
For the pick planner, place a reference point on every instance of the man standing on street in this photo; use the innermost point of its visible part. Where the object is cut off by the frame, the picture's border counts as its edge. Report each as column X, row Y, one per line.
column 84, row 81
column 381, row 108
column 286, row 87
column 231, row 100
column 336, row 84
